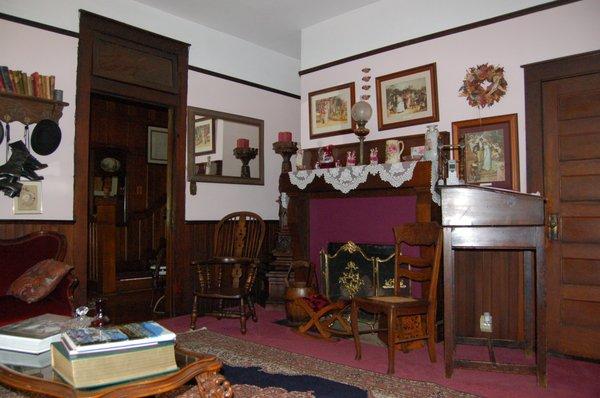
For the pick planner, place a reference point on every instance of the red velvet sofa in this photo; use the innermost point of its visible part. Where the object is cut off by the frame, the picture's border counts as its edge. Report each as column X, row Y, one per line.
column 18, row 255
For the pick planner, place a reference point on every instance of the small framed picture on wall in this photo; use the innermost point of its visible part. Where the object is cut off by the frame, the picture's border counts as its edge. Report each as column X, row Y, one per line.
column 330, row 111
column 204, row 136
column 491, row 155
column 407, row 97
column 158, row 142
column 29, row 200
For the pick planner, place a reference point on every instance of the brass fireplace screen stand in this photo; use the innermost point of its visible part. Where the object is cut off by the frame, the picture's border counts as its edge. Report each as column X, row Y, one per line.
column 350, row 272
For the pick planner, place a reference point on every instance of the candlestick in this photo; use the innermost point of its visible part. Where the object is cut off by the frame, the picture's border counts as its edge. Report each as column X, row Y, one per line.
column 286, row 150
column 245, row 155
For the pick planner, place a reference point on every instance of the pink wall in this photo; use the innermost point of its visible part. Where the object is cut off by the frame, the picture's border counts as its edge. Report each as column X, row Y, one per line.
column 361, row 220
column 557, row 32
column 279, row 112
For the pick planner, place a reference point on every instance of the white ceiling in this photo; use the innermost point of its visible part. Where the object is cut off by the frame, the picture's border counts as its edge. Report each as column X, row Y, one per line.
column 273, row 24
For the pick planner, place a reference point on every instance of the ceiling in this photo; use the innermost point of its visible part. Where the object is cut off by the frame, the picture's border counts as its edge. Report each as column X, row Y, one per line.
column 273, row 24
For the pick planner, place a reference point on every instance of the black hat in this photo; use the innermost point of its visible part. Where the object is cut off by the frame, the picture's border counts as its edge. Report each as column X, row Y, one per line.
column 45, row 137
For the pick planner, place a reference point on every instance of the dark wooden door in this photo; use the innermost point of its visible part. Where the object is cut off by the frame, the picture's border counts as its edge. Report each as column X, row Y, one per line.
column 571, row 152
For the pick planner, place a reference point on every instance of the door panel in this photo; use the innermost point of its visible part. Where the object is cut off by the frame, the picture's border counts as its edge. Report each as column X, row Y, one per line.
column 571, row 125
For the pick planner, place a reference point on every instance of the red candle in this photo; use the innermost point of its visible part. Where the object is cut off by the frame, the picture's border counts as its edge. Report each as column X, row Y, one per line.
column 284, row 136
column 243, row 143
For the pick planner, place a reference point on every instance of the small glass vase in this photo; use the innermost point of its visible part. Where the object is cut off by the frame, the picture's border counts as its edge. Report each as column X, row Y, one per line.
column 431, row 142
column 101, row 319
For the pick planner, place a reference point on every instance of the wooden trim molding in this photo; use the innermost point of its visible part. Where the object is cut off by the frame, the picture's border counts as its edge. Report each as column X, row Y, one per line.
column 436, row 35
column 241, row 81
column 535, row 75
column 39, row 25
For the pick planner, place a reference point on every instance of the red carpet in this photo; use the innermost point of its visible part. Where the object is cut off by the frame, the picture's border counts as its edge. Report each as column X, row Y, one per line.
column 566, row 378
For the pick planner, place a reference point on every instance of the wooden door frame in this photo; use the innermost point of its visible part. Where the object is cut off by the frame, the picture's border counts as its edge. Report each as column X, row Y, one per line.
column 535, row 75
column 176, row 103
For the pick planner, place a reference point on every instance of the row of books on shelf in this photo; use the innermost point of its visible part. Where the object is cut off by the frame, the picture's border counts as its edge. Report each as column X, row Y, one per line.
column 17, row 82
column 92, row 357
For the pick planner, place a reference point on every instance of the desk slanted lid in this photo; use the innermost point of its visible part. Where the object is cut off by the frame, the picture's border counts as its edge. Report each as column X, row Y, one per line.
column 472, row 205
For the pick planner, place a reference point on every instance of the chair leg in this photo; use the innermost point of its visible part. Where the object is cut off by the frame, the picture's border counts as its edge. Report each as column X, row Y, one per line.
column 431, row 337
column 242, row 316
column 391, row 340
column 355, row 335
column 252, row 309
column 194, row 313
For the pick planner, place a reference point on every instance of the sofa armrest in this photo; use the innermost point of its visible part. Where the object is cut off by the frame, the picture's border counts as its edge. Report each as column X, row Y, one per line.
column 65, row 291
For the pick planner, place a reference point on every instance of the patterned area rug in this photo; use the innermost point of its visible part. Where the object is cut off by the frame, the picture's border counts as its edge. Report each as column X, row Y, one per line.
column 241, row 353
column 258, row 371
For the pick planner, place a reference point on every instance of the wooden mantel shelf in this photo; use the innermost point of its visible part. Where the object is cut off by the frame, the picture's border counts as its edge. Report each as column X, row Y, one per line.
column 421, row 180
column 29, row 110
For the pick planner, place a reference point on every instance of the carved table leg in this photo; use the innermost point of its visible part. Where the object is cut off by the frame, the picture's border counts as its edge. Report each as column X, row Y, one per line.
column 213, row 385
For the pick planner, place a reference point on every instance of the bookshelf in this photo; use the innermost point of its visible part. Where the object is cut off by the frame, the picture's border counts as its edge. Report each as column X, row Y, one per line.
column 28, row 109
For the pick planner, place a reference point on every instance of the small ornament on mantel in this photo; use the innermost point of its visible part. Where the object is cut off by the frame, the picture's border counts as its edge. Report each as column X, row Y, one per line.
column 374, row 156
column 473, row 85
column 350, row 158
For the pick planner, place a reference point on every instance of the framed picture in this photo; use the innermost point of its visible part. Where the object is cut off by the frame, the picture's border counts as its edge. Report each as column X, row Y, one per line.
column 329, row 111
column 491, row 155
column 204, row 136
column 407, row 98
column 29, row 200
column 158, row 141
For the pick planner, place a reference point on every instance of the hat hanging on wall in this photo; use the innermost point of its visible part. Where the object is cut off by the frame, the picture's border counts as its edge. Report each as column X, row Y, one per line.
column 45, row 137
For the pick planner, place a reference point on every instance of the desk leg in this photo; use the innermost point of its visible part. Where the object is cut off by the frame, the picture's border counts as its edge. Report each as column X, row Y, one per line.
column 448, row 302
column 540, row 276
column 391, row 337
column 355, row 335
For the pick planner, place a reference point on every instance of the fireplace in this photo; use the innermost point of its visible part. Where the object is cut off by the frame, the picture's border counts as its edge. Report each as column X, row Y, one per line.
column 350, row 269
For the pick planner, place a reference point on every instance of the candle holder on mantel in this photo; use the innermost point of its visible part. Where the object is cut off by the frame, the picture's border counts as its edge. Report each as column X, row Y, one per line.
column 245, row 155
column 286, row 149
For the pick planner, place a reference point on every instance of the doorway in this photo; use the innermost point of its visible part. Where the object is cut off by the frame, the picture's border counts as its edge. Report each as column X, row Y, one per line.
column 563, row 139
column 127, row 204
column 136, row 69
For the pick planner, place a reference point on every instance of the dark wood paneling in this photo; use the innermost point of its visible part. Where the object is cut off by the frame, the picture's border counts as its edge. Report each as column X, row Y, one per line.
column 134, row 63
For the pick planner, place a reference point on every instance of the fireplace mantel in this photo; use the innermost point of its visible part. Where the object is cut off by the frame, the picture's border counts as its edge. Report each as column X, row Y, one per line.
column 298, row 205
column 294, row 233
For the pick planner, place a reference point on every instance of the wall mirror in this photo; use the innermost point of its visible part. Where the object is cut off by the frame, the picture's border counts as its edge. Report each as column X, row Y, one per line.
column 224, row 148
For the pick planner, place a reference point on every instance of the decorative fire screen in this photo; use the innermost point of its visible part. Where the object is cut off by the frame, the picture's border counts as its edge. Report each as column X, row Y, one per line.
column 351, row 269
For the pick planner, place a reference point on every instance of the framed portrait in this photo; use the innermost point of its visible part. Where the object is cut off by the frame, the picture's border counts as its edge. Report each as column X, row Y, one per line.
column 204, row 136
column 407, row 98
column 329, row 111
column 29, row 200
column 158, row 142
column 491, row 154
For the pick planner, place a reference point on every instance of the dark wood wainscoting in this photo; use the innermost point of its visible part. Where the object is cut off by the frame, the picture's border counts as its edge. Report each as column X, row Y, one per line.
column 15, row 229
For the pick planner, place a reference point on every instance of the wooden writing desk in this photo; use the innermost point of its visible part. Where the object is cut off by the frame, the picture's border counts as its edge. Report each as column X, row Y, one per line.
column 477, row 218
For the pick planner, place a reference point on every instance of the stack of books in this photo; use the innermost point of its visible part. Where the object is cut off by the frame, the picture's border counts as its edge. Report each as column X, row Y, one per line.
column 93, row 357
column 27, row 342
column 35, row 85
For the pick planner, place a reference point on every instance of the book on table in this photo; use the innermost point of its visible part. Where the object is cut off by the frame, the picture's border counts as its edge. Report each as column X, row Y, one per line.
column 33, row 335
column 18, row 358
column 109, row 367
column 90, row 340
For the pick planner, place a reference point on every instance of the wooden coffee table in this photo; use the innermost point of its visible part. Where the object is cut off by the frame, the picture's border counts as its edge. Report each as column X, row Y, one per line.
column 204, row 368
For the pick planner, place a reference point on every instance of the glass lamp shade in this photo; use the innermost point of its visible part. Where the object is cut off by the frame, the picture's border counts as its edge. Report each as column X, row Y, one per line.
column 361, row 112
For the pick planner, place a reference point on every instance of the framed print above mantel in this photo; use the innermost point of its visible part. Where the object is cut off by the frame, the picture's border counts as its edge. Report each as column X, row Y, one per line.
column 329, row 111
column 407, row 98
column 491, row 152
